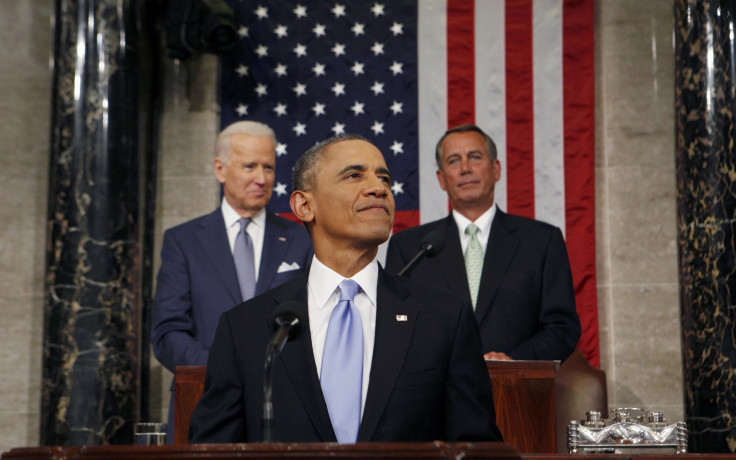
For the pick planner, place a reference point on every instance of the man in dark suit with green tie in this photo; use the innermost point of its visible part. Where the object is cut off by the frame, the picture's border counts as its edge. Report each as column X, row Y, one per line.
column 514, row 270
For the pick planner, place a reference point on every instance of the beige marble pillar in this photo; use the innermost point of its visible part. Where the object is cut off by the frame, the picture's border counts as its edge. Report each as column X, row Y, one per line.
column 638, row 295
column 25, row 104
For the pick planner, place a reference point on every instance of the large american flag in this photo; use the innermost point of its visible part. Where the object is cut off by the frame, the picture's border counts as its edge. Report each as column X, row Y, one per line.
column 400, row 72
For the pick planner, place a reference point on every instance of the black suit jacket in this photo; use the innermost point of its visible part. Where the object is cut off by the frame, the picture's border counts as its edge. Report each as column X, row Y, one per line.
column 428, row 380
column 526, row 301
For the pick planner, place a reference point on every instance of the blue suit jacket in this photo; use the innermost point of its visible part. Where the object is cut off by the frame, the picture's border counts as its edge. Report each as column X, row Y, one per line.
column 197, row 282
column 526, row 300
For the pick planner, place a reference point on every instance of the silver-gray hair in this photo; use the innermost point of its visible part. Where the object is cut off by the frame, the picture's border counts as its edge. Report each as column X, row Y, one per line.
column 250, row 128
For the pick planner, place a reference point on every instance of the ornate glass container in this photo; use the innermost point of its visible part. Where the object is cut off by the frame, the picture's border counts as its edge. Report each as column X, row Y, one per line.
column 628, row 430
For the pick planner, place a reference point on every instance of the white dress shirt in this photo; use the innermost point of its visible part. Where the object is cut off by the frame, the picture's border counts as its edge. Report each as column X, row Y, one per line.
column 323, row 297
column 256, row 229
column 483, row 223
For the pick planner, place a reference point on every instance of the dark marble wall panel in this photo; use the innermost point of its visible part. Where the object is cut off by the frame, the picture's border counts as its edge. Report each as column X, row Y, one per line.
column 706, row 181
column 95, row 226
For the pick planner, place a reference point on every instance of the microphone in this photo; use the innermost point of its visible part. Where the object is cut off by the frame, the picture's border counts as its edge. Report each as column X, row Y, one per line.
column 431, row 245
column 288, row 326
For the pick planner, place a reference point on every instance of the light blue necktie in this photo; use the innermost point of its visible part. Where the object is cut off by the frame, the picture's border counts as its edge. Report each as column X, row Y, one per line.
column 341, row 376
column 244, row 261
column 473, row 262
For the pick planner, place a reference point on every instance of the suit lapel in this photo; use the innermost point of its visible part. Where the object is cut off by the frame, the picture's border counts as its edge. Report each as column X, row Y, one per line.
column 451, row 261
column 213, row 237
column 391, row 345
column 275, row 244
column 298, row 360
column 499, row 253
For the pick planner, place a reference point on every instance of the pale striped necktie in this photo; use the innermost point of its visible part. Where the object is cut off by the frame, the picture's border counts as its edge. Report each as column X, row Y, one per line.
column 473, row 262
column 244, row 261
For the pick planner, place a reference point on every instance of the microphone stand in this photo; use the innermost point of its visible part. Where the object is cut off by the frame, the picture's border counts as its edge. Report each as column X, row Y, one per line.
column 277, row 343
column 426, row 247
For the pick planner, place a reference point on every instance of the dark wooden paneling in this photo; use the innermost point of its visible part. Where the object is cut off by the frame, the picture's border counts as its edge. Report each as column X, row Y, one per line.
column 524, row 395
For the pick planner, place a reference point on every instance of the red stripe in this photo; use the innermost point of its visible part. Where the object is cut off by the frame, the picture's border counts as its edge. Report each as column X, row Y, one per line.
column 519, row 108
column 291, row 216
column 460, row 62
column 405, row 219
column 579, row 122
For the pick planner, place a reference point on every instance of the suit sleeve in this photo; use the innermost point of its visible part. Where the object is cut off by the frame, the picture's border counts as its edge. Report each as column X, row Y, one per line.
column 173, row 326
column 219, row 416
column 469, row 409
column 559, row 325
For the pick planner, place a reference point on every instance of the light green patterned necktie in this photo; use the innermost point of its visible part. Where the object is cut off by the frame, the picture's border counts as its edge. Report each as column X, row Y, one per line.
column 473, row 261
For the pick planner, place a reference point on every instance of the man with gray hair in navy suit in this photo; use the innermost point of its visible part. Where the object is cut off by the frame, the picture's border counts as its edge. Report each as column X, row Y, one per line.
column 216, row 261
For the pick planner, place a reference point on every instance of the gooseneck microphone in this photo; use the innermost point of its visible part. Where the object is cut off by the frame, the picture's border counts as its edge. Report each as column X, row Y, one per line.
column 430, row 246
column 288, row 326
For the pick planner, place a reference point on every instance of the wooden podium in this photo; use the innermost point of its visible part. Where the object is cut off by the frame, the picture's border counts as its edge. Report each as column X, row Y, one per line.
column 187, row 391
column 524, row 396
column 334, row 451
column 523, row 393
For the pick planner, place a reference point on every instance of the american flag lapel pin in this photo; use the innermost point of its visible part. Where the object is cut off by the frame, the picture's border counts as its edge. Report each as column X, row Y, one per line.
column 402, row 318
column 281, row 238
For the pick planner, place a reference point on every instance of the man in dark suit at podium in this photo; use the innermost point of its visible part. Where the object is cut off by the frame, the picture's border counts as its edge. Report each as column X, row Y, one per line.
column 381, row 358
column 514, row 270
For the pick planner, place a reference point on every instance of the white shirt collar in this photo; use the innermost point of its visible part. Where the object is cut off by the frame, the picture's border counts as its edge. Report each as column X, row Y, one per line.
column 323, row 281
column 232, row 217
column 483, row 221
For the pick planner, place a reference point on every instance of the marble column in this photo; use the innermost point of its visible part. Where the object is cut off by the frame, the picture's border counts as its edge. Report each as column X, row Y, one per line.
column 706, row 187
column 95, row 256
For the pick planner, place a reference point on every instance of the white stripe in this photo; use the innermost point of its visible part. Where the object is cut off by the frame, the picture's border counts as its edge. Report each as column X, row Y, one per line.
column 549, row 172
column 432, row 50
column 490, row 80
